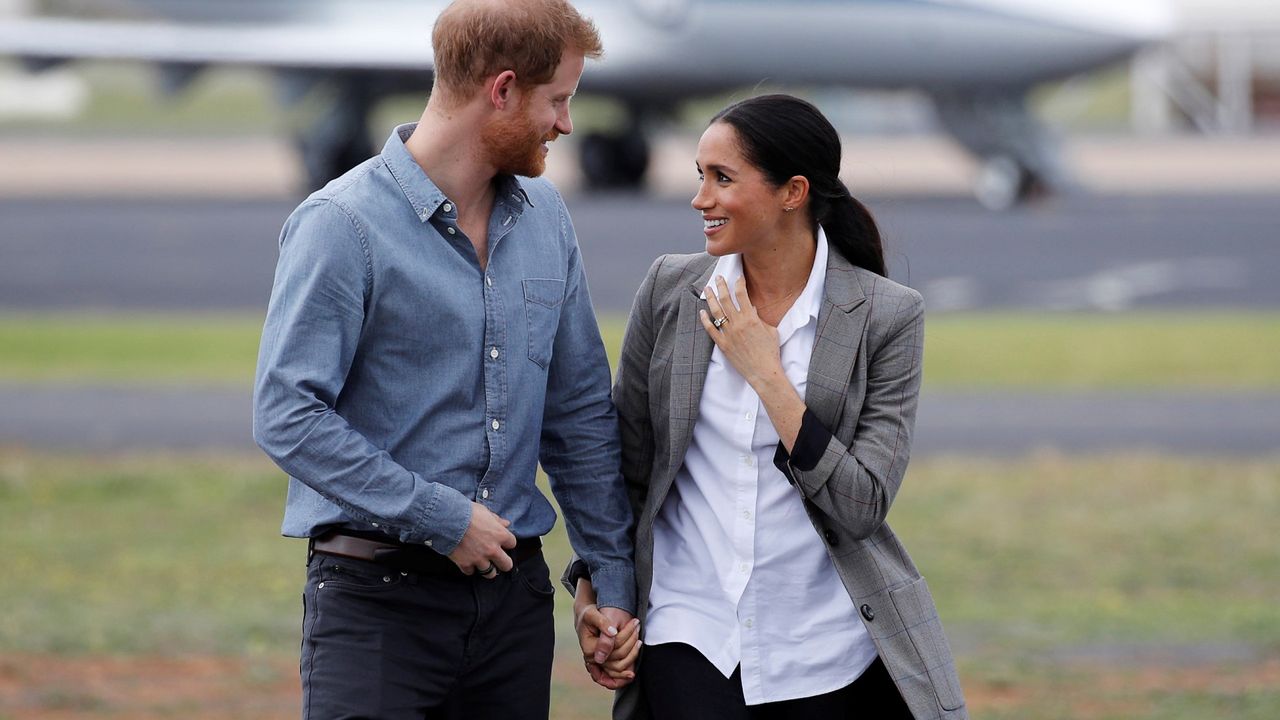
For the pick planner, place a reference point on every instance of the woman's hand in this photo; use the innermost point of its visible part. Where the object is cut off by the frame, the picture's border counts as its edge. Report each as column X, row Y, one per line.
column 751, row 346
column 609, row 638
column 748, row 343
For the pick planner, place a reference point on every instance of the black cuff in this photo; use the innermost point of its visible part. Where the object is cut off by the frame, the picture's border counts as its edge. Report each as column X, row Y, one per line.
column 578, row 570
column 811, row 443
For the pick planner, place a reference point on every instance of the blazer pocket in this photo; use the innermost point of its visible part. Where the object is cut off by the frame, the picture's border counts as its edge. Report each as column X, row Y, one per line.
column 542, row 300
column 920, row 617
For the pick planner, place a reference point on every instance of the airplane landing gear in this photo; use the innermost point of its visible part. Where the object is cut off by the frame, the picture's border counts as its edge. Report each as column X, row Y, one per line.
column 1003, row 182
column 1019, row 158
column 614, row 161
column 339, row 139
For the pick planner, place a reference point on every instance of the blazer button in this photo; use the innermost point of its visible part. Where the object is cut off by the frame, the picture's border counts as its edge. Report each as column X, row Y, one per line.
column 867, row 613
column 831, row 537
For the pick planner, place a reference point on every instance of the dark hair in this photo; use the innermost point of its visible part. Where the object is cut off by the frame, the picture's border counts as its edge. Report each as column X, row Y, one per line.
column 785, row 136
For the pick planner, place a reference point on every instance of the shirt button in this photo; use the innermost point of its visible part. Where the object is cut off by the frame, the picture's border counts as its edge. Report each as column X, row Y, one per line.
column 427, row 543
column 447, row 207
column 747, row 416
column 495, row 425
column 374, row 524
column 488, row 280
column 493, row 353
column 746, row 514
column 484, row 494
column 743, row 567
column 451, row 231
column 748, row 623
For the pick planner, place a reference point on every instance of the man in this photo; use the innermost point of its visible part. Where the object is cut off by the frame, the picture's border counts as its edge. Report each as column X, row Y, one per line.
column 429, row 340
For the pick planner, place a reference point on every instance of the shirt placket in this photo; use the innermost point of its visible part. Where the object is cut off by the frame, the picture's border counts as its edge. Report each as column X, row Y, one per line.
column 496, row 326
column 743, row 533
column 749, row 608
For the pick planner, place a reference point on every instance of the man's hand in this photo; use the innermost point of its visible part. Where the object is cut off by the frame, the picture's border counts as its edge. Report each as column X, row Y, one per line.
column 483, row 547
column 609, row 638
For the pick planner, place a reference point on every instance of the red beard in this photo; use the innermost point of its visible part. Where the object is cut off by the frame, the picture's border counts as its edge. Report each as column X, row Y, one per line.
column 514, row 146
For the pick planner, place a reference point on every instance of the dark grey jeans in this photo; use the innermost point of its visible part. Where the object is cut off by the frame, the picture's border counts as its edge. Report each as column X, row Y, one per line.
column 385, row 645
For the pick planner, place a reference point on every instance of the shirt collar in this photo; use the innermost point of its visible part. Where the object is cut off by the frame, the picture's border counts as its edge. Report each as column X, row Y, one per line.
column 423, row 194
column 806, row 307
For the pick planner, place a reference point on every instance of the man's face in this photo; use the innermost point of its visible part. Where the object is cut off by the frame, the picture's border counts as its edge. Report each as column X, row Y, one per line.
column 516, row 143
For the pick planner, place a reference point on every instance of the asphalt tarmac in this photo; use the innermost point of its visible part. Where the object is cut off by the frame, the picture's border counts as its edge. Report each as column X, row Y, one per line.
column 122, row 419
column 1072, row 253
column 1080, row 252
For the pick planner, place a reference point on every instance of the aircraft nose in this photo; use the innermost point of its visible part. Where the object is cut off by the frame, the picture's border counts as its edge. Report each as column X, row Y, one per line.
column 1142, row 21
column 1136, row 21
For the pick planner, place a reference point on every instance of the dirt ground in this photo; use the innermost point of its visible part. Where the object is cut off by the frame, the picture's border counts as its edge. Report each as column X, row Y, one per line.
column 46, row 687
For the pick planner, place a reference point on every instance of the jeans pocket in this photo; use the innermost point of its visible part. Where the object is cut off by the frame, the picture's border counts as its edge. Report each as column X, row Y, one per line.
column 542, row 300
column 535, row 576
column 360, row 575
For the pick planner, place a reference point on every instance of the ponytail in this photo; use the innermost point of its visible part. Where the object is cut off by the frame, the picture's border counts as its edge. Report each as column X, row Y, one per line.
column 851, row 230
column 785, row 136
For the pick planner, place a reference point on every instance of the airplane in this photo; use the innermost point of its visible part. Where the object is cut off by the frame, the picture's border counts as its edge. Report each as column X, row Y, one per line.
column 976, row 59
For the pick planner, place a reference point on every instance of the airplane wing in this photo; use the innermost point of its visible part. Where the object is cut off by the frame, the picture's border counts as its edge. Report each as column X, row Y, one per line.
column 293, row 45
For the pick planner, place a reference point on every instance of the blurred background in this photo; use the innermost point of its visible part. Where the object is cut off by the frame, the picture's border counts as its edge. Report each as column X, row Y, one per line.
column 1086, row 193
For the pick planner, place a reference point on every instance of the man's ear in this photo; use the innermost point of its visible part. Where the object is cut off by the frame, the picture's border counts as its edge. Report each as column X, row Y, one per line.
column 502, row 89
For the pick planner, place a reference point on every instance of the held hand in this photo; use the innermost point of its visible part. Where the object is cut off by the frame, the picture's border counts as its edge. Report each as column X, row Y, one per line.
column 626, row 650
column 483, row 547
column 599, row 635
column 748, row 343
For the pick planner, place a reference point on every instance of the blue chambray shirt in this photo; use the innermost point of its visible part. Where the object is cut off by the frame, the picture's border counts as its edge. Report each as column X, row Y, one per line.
column 397, row 382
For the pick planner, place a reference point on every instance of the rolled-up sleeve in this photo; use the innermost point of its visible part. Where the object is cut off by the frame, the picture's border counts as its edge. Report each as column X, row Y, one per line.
column 856, row 483
column 309, row 341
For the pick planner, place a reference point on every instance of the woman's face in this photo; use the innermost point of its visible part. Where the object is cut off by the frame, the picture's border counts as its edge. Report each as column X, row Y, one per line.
column 740, row 210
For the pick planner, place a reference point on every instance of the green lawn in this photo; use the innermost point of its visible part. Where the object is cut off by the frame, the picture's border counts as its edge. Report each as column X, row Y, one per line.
column 1183, row 350
column 1056, row 576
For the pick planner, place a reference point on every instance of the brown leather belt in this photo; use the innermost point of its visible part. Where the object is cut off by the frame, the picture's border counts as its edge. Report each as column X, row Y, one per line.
column 408, row 558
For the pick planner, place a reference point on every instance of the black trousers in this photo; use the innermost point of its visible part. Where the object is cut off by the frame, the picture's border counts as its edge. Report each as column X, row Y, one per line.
column 382, row 644
column 679, row 684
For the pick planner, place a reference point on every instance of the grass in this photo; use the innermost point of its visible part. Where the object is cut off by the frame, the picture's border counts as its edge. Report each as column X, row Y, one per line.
column 1183, row 350
column 1140, row 350
column 88, row 348
column 1144, row 585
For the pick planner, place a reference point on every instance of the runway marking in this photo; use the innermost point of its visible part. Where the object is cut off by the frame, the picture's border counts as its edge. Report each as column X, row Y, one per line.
column 1119, row 288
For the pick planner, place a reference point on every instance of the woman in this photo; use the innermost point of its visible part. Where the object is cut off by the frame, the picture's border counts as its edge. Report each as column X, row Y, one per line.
column 766, row 395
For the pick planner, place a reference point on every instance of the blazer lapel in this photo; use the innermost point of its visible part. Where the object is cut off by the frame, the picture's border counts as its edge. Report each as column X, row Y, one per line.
column 691, row 356
column 838, row 340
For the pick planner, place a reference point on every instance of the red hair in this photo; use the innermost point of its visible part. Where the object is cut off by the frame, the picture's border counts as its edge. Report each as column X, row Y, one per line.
column 477, row 39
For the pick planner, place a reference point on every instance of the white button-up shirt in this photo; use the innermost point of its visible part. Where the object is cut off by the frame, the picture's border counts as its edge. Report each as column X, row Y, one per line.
column 738, row 571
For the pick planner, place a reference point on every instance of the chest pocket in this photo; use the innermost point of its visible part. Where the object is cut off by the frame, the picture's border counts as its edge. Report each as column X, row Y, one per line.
column 542, row 300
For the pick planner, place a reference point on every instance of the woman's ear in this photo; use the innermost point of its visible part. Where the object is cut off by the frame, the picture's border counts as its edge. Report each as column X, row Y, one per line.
column 795, row 192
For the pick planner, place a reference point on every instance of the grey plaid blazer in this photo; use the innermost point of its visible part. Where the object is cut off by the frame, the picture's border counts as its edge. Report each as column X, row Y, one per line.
column 864, row 378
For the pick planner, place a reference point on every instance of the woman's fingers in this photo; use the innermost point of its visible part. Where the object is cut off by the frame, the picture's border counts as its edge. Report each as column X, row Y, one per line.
column 740, row 292
column 725, row 298
column 628, row 638
column 713, row 303
column 624, row 667
column 705, row 318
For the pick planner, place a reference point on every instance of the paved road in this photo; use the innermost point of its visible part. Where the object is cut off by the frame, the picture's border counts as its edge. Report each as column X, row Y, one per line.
column 1081, row 252
column 986, row 423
